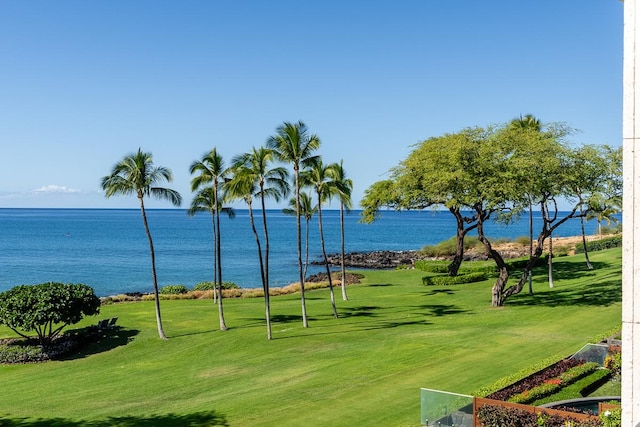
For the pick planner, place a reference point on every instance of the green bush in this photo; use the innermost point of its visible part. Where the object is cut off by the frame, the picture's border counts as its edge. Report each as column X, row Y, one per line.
column 520, row 263
column 46, row 308
column 611, row 417
column 448, row 247
column 598, row 245
column 611, row 229
column 173, row 290
column 500, row 416
column 454, row 280
column 209, row 286
column 522, row 240
column 432, row 266
column 554, row 385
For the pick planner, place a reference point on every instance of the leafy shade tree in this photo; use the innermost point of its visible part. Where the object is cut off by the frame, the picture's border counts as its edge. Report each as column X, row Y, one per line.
column 293, row 144
column 204, row 201
column 343, row 187
column 307, row 210
column 321, row 178
column 210, row 172
column 254, row 177
column 136, row 174
column 428, row 178
column 46, row 308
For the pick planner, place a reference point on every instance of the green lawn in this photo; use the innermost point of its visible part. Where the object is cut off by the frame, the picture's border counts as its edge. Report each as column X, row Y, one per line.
column 366, row 368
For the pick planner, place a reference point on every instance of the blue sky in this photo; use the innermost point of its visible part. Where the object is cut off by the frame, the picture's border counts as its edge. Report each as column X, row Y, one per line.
column 83, row 84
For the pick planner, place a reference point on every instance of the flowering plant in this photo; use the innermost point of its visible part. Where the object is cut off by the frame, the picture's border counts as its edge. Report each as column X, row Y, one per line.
column 611, row 417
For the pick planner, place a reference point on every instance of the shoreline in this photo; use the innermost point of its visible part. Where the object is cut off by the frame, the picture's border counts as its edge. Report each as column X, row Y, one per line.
column 372, row 260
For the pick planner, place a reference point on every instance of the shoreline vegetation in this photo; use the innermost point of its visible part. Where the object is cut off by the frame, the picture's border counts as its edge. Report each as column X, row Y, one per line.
column 373, row 260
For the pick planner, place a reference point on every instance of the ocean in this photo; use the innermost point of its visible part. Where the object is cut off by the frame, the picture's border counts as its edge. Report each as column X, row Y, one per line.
column 108, row 250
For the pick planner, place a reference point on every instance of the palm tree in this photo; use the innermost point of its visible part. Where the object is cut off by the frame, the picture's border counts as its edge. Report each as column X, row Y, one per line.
column 136, row 174
column 343, row 186
column 204, row 200
column 307, row 210
column 528, row 123
column 602, row 210
column 211, row 172
column 321, row 178
column 293, row 144
column 253, row 177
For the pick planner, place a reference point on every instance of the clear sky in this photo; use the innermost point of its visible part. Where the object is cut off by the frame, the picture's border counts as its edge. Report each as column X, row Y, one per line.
column 84, row 83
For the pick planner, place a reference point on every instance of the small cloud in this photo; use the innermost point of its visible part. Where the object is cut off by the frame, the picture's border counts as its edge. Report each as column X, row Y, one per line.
column 55, row 189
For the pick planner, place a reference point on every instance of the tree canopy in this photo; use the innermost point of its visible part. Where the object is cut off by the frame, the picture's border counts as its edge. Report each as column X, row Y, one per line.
column 46, row 308
column 496, row 173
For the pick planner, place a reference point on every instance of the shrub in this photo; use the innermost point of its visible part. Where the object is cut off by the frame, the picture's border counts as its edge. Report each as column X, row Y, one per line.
column 611, row 418
column 598, row 245
column 448, row 247
column 173, row 290
column 454, row 280
column 533, row 379
column 209, row 286
column 46, row 308
column 432, row 266
column 552, row 385
column 520, row 263
column 613, row 363
column 498, row 416
column 522, row 240
column 611, row 229
column 203, row 286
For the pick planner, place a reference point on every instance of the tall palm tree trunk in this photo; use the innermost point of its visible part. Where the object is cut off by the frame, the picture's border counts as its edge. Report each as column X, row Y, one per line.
column 550, row 264
column 263, row 275
column 215, row 258
column 306, row 247
column 343, row 274
column 326, row 261
column 223, row 326
column 530, row 274
column 156, row 294
column 305, row 322
column 584, row 241
column 267, row 297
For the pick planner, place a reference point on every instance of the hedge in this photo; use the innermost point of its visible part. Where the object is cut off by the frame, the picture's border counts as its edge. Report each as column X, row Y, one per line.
column 598, row 245
column 454, row 280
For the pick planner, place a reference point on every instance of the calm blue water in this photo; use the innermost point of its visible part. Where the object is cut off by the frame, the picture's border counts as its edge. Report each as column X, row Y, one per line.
column 108, row 249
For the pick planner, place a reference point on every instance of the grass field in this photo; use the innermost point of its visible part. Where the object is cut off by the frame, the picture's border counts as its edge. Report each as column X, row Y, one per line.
column 394, row 336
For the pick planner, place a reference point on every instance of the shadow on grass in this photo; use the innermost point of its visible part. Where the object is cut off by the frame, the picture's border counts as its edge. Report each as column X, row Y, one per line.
column 602, row 293
column 440, row 310
column 439, row 291
column 110, row 339
column 568, row 271
column 197, row 419
column 361, row 311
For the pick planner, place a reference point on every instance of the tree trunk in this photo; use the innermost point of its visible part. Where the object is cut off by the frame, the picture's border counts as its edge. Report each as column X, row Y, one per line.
column 265, row 283
column 215, row 258
column 497, row 298
column 324, row 257
column 584, row 241
column 306, row 246
column 551, row 260
column 305, row 322
column 156, row 294
column 461, row 232
column 529, row 272
column 265, row 288
column 343, row 275
column 223, row 325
